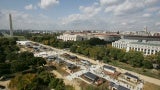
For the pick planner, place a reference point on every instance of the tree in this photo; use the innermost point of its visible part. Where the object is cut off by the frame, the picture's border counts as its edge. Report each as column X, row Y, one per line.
column 93, row 53
column 86, row 52
column 53, row 83
column 113, row 53
column 120, row 55
column 73, row 49
column 17, row 66
column 46, row 77
column 23, row 82
column 11, row 56
column 151, row 58
column 106, row 59
column 57, row 84
column 147, row 64
column 41, row 61
column 24, row 56
column 96, row 41
column 5, row 68
column 135, row 58
column 2, row 58
column 158, row 57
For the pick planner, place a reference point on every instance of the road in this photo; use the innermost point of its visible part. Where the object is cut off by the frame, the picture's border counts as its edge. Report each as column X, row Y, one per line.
column 143, row 77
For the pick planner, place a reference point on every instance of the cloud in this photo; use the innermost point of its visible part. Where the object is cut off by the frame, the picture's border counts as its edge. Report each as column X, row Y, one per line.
column 125, row 7
column 124, row 23
column 152, row 9
column 157, row 24
column 89, row 11
column 110, row 2
column 86, row 13
column 147, row 15
column 47, row 3
column 30, row 7
column 121, row 7
column 110, row 9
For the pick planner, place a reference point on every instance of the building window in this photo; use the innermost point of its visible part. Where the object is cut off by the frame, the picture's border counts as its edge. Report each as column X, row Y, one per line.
column 155, row 51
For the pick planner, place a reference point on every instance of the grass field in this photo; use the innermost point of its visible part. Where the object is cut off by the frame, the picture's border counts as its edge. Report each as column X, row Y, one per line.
column 19, row 37
column 150, row 86
column 147, row 72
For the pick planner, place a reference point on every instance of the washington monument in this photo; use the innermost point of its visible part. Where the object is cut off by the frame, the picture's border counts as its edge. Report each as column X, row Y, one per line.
column 11, row 27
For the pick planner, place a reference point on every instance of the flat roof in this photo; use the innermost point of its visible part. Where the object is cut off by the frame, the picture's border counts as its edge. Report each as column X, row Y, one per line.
column 109, row 67
column 91, row 76
column 142, row 43
column 131, row 75
column 118, row 87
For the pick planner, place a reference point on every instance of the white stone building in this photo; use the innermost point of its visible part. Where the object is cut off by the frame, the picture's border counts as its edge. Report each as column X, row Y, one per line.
column 70, row 37
column 147, row 47
column 23, row 42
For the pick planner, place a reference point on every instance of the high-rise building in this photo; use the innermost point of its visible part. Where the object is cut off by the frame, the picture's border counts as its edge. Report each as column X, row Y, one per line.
column 11, row 27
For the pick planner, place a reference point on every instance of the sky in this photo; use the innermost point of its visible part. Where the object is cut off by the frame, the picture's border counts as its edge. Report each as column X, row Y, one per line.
column 112, row 15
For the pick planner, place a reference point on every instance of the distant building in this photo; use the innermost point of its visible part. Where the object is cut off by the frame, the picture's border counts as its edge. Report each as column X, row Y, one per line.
column 23, row 42
column 156, row 34
column 146, row 44
column 80, row 36
column 70, row 37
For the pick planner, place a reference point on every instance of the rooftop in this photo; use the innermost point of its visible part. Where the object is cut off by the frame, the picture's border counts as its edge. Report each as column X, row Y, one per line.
column 91, row 76
column 130, row 75
column 118, row 87
column 149, row 43
column 109, row 67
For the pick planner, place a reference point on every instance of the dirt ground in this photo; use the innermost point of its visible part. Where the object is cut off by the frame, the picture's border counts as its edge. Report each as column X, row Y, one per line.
column 5, row 83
